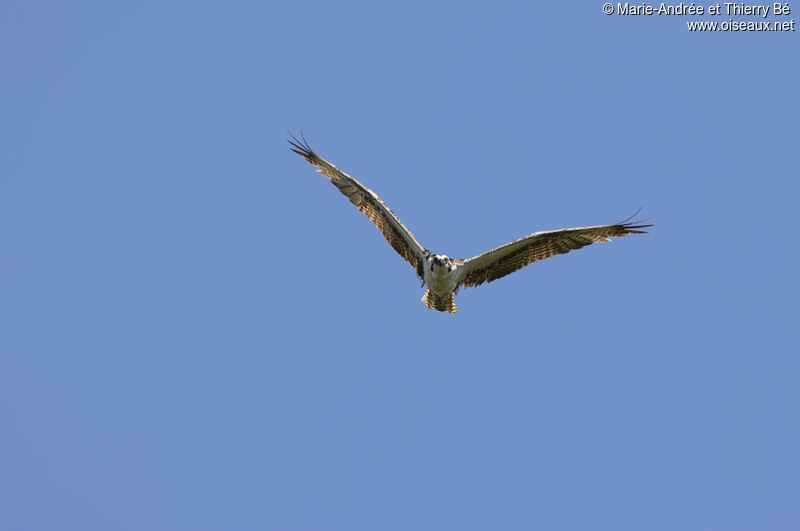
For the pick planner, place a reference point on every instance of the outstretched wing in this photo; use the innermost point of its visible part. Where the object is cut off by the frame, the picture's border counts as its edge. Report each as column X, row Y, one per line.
column 510, row 257
column 368, row 202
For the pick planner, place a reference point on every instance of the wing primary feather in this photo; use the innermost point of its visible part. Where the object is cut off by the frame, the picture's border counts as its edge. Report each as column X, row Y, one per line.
column 301, row 147
column 630, row 217
column 637, row 224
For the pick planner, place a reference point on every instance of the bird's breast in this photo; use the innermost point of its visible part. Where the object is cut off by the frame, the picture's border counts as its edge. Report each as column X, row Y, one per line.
column 440, row 279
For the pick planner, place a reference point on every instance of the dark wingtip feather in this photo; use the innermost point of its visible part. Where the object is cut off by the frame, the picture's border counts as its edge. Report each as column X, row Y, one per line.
column 634, row 226
column 301, row 147
column 634, row 229
column 626, row 220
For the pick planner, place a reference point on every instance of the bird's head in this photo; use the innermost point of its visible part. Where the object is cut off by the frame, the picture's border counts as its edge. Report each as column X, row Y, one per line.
column 442, row 260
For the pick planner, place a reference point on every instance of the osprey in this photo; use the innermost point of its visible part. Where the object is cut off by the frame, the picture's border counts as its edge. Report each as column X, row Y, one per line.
column 443, row 275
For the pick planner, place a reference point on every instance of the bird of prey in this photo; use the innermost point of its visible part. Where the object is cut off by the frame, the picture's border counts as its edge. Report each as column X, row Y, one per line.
column 442, row 275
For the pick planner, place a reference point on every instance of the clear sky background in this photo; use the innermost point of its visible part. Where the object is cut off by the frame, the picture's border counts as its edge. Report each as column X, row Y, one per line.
column 199, row 332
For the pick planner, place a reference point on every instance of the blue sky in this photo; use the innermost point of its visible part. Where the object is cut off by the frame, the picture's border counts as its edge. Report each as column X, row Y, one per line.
column 199, row 332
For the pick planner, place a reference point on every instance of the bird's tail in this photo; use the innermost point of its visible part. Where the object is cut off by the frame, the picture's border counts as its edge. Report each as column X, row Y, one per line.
column 443, row 304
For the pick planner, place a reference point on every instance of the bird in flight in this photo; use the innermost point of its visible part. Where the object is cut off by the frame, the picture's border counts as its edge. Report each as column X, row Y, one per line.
column 442, row 275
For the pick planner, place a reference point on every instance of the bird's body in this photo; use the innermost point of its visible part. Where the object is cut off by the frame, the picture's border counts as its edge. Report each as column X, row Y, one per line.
column 443, row 276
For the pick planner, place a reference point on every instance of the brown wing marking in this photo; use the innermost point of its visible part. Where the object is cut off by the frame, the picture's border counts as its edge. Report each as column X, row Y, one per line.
column 368, row 202
column 501, row 261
